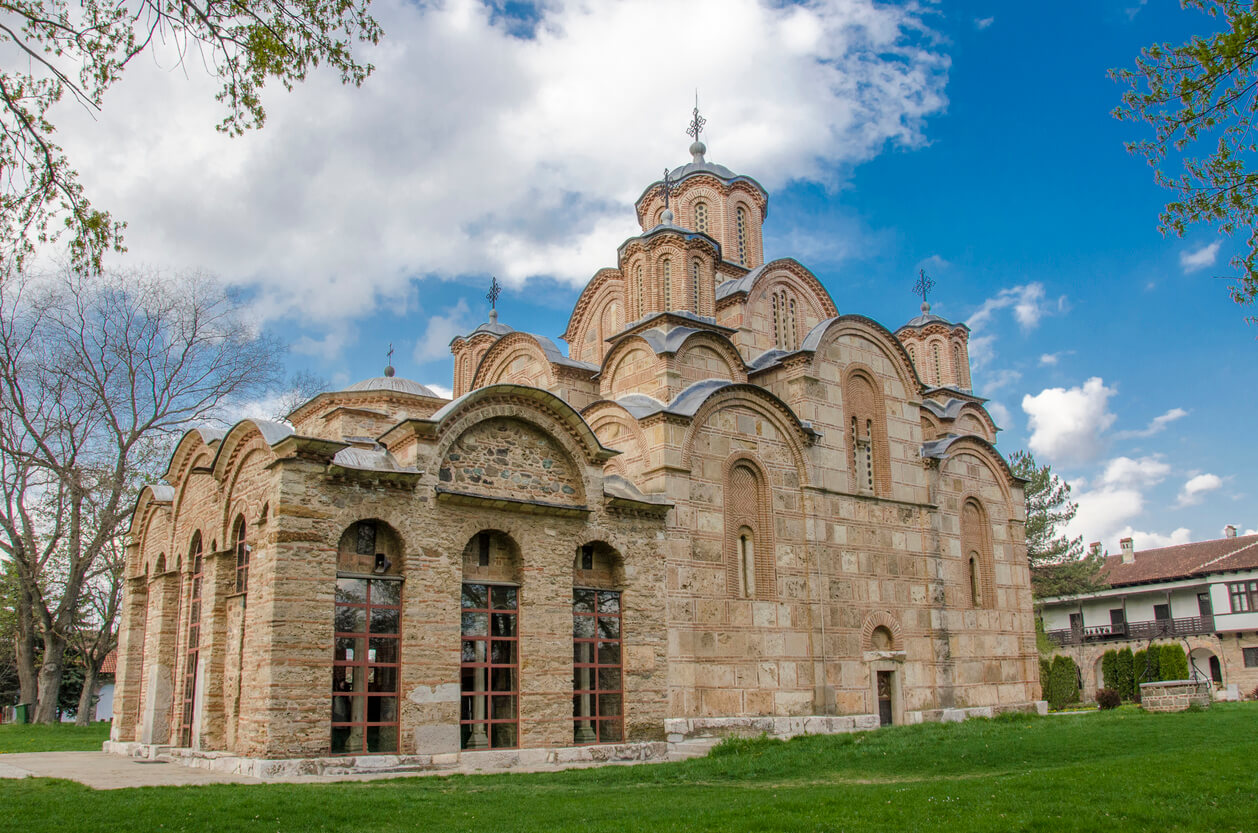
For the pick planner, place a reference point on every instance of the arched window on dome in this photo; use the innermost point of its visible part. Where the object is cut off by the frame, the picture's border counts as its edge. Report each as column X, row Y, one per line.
column 637, row 279
column 913, row 356
column 701, row 217
column 785, row 334
column 934, row 352
column 956, row 364
column 666, row 267
column 695, row 271
column 741, row 216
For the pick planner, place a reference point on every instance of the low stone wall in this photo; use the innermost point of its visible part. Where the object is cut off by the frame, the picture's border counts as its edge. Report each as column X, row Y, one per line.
column 1174, row 695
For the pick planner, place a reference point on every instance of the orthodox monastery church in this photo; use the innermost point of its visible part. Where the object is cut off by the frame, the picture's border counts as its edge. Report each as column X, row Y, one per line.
column 727, row 507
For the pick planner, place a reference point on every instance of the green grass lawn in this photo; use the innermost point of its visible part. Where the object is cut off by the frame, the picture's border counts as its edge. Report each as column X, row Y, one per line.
column 1102, row 772
column 56, row 737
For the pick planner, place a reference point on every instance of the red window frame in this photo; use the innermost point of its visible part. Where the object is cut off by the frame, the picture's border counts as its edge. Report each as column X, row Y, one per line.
column 193, row 652
column 489, row 670
column 242, row 556
column 366, row 665
column 598, row 695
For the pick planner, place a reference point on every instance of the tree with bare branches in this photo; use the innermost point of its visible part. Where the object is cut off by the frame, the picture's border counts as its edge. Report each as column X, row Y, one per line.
column 79, row 50
column 98, row 375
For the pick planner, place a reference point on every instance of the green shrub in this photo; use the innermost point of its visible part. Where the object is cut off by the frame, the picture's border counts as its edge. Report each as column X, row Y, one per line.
column 1152, row 664
column 1107, row 698
column 1109, row 670
column 1124, row 677
column 1174, row 662
column 1045, row 678
column 1063, row 682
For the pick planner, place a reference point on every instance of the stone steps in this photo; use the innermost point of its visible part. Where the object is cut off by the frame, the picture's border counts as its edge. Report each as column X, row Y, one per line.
column 691, row 748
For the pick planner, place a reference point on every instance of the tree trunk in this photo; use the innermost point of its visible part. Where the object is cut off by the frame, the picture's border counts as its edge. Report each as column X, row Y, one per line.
column 50, row 673
column 87, row 700
column 25, row 653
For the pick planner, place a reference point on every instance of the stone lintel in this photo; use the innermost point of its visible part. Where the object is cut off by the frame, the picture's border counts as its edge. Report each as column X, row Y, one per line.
column 380, row 477
column 294, row 447
column 418, row 429
column 529, row 507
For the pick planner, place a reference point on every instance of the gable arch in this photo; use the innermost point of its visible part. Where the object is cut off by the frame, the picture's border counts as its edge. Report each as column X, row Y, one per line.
column 881, row 619
column 766, row 405
column 790, row 273
column 605, row 413
column 495, row 365
column 635, row 348
column 831, row 330
column 734, row 364
column 986, row 454
column 980, row 414
column 606, row 287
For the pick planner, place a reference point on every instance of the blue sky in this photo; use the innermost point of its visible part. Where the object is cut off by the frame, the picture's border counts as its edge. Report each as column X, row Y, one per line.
column 972, row 139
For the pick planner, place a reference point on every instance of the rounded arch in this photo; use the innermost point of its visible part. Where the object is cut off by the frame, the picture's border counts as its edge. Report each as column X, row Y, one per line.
column 931, row 428
column 605, row 414
column 624, row 352
column 607, row 284
column 865, row 424
column 986, row 455
column 495, row 365
column 734, row 364
column 881, row 619
column 371, row 546
column 159, row 564
column 977, row 553
column 764, row 404
column 747, row 504
column 492, row 554
column 979, row 413
column 196, row 548
column 831, row 330
column 598, row 565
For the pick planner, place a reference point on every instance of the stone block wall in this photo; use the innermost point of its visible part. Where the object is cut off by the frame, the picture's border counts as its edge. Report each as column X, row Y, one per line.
column 1174, row 695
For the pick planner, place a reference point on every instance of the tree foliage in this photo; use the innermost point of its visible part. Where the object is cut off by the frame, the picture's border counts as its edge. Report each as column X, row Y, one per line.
column 97, row 375
column 1201, row 98
column 1059, row 566
column 1062, row 688
column 80, row 50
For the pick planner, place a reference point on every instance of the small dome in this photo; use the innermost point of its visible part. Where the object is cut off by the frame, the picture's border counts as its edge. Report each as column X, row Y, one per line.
column 697, row 149
column 391, row 383
column 667, row 217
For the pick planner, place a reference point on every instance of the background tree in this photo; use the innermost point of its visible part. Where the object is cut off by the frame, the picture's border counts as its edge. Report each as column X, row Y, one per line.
column 1201, row 98
column 1059, row 565
column 80, row 50
column 97, row 376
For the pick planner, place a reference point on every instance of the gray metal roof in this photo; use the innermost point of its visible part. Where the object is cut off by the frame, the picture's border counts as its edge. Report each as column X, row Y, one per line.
column 618, row 487
column 162, row 492
column 390, row 383
column 272, row 432
column 743, row 284
column 767, row 359
column 949, row 409
column 369, row 459
column 210, row 435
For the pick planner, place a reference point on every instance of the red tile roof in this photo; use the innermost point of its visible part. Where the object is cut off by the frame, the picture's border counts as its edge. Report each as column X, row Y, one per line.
column 109, row 665
column 1183, row 561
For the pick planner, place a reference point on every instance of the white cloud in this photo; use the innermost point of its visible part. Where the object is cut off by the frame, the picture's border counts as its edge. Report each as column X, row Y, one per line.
column 1200, row 258
column 1157, row 425
column 999, row 379
column 1154, row 540
column 473, row 150
column 982, row 23
column 1251, row 532
column 1067, row 424
column 435, row 343
column 1196, row 488
column 1029, row 305
column 1000, row 414
column 1116, row 497
column 1051, row 359
column 441, row 390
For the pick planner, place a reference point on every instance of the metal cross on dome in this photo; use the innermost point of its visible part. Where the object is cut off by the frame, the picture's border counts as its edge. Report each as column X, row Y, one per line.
column 495, row 289
column 669, row 186
column 924, row 284
column 390, row 353
column 698, row 122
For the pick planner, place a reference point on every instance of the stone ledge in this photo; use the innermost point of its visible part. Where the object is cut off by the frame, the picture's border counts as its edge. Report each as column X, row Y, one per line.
column 1174, row 695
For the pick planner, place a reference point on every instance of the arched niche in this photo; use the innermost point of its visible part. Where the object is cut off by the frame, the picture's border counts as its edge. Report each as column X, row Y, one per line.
column 598, row 565
column 370, row 547
column 513, row 458
column 492, row 555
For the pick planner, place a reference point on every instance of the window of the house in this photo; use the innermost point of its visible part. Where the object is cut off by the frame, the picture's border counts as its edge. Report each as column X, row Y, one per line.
column 1161, row 612
column 489, row 710
column 365, row 665
column 741, row 215
column 701, row 217
column 242, row 556
column 194, row 644
column 1251, row 657
column 1244, row 595
column 597, row 673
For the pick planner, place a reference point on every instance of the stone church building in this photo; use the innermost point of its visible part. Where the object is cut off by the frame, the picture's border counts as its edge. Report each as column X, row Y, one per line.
column 727, row 507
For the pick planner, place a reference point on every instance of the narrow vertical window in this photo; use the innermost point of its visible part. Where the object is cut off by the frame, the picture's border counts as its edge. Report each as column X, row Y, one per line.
column 365, row 665
column 666, row 266
column 742, row 236
column 934, row 351
column 956, row 363
column 694, row 285
column 791, row 333
column 976, row 596
column 597, row 674
column 863, row 453
column 913, row 357
column 777, row 321
column 242, row 556
column 490, row 670
column 747, row 561
column 637, row 274
column 701, row 217
column 193, row 652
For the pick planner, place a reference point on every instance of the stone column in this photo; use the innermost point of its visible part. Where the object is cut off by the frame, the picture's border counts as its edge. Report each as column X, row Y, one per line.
column 159, row 658
column 130, row 660
column 217, row 584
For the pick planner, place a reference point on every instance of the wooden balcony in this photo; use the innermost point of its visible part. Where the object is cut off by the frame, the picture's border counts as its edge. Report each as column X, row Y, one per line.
column 1154, row 629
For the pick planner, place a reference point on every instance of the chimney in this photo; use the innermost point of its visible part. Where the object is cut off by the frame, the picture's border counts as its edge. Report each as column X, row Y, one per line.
column 1094, row 549
column 1129, row 550
column 1230, row 530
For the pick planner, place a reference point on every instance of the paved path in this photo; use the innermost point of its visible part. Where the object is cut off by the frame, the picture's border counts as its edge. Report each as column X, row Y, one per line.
column 110, row 772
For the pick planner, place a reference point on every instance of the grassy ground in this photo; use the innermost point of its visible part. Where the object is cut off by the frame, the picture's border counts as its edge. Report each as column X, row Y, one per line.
column 1105, row 772
column 56, row 737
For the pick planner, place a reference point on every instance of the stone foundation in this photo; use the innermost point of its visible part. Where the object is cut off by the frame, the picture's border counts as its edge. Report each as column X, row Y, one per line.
column 1174, row 695
column 452, row 762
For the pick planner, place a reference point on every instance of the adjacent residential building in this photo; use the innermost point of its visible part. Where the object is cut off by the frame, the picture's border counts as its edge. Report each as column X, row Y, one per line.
column 725, row 503
column 1202, row 595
